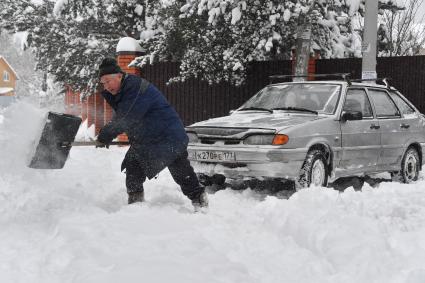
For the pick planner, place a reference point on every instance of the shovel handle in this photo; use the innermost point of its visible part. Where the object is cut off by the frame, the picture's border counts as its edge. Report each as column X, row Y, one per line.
column 89, row 143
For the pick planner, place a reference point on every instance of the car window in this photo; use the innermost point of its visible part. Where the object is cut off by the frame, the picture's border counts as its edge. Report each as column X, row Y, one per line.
column 384, row 105
column 404, row 107
column 357, row 101
column 322, row 98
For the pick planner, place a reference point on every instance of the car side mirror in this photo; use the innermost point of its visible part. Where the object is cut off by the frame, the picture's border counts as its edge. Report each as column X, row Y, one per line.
column 351, row 116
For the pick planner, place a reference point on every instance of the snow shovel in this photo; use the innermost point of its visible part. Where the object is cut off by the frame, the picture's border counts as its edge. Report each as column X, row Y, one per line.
column 56, row 141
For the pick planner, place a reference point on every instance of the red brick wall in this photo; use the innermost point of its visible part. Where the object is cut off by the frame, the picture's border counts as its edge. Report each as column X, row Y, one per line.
column 124, row 59
column 77, row 104
column 72, row 102
column 107, row 112
column 99, row 119
column 90, row 110
column 84, row 109
column 312, row 66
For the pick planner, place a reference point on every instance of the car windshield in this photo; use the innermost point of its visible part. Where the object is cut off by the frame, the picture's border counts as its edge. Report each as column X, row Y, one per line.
column 320, row 98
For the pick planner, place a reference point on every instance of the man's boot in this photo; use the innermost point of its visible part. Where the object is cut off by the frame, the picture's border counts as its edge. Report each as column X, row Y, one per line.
column 201, row 202
column 136, row 197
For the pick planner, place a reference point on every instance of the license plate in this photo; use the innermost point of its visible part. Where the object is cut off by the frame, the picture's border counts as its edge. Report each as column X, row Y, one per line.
column 214, row 155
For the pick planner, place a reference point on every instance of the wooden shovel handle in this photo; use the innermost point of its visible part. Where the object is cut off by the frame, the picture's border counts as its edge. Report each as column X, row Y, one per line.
column 90, row 143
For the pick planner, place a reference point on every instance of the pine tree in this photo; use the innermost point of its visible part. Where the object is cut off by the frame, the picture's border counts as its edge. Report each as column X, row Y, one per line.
column 215, row 40
column 70, row 39
column 219, row 38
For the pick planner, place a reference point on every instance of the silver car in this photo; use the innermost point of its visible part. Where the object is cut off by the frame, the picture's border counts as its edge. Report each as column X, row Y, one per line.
column 312, row 133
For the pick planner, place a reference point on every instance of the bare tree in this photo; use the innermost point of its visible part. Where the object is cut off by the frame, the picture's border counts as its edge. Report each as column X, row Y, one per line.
column 401, row 30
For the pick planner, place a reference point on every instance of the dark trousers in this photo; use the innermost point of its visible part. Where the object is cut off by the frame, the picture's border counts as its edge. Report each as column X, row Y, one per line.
column 181, row 171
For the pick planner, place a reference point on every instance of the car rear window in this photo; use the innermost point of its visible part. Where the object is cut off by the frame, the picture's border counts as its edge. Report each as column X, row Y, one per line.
column 404, row 107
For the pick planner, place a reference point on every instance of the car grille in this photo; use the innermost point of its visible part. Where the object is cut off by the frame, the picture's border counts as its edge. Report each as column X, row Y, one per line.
column 224, row 141
column 220, row 131
column 226, row 136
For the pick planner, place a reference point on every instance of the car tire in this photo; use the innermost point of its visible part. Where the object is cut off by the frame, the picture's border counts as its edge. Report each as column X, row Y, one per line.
column 410, row 167
column 314, row 170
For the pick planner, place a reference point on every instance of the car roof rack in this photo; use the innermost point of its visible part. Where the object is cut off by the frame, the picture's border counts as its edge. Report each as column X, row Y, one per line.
column 344, row 76
column 384, row 81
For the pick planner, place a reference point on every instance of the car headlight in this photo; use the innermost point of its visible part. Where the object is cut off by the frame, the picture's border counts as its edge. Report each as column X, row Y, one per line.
column 266, row 139
column 193, row 137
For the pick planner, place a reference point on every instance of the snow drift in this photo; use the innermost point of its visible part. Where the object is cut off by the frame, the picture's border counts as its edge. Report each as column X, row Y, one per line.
column 73, row 225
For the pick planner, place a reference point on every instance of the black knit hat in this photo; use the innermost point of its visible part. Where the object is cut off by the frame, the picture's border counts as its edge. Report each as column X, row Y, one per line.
column 109, row 66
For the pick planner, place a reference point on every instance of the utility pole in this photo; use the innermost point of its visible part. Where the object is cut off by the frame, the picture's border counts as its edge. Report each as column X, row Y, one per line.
column 369, row 40
column 302, row 52
column 303, row 44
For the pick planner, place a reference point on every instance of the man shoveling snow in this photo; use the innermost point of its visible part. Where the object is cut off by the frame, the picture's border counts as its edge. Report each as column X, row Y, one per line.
column 155, row 132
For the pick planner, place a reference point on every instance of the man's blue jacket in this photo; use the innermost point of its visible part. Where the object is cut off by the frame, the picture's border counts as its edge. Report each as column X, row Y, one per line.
column 155, row 131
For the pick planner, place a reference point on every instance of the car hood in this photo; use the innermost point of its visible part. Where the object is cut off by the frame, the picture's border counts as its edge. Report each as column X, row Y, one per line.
column 276, row 121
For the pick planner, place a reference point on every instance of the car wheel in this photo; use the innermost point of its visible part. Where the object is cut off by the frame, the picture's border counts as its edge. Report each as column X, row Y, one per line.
column 410, row 166
column 314, row 170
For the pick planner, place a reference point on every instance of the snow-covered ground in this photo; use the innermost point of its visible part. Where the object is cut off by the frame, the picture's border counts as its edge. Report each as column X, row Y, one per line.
column 73, row 225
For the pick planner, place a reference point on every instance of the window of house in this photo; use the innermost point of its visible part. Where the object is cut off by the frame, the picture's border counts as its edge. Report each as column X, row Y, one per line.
column 5, row 76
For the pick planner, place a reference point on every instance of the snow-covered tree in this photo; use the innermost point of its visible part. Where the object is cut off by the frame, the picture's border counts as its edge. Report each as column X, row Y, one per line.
column 71, row 37
column 84, row 32
column 23, row 62
column 217, row 39
column 30, row 82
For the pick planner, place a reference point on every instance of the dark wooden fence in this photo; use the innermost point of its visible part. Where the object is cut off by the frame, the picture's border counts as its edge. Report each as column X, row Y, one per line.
column 195, row 100
column 407, row 74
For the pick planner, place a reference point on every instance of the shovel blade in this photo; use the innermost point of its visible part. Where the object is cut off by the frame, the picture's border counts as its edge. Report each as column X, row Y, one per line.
column 59, row 128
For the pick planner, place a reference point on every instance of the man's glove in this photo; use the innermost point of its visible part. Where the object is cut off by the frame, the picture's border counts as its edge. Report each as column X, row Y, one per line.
column 101, row 144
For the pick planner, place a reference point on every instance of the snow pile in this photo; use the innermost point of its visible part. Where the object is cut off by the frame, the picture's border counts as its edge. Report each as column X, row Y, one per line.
column 19, row 134
column 4, row 90
column 73, row 225
column 129, row 44
column 85, row 133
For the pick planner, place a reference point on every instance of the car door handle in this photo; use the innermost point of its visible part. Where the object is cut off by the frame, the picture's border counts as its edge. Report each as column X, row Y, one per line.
column 373, row 126
column 404, row 126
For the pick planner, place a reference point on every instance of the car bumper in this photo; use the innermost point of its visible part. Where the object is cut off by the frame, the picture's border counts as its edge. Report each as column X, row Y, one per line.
column 252, row 161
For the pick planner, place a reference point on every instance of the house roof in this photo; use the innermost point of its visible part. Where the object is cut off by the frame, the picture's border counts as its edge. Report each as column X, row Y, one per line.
column 10, row 67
